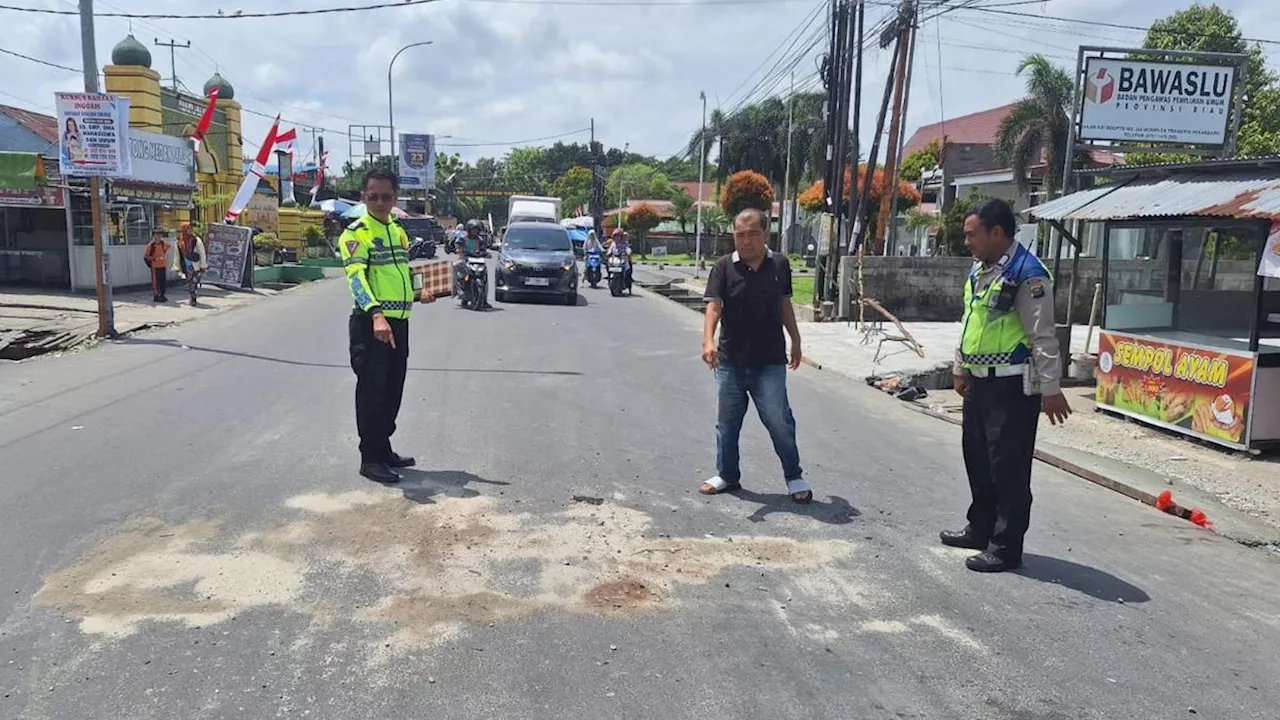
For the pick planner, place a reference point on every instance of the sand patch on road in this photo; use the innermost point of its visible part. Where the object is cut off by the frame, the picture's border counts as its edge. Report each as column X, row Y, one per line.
column 409, row 574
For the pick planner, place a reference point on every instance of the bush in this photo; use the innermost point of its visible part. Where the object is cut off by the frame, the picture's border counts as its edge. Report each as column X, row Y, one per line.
column 313, row 236
column 266, row 246
column 746, row 189
column 643, row 218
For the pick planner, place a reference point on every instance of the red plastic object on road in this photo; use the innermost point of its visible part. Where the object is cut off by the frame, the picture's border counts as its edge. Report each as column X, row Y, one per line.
column 1164, row 502
column 1199, row 518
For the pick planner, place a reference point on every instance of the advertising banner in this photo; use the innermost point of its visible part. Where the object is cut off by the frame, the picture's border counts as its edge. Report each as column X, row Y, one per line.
column 162, row 159
column 417, row 161
column 93, row 135
column 226, row 252
column 1269, row 262
column 1199, row 391
column 1181, row 103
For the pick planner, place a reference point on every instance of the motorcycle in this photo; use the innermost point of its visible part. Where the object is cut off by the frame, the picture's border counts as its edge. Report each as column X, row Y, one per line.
column 422, row 248
column 618, row 281
column 475, row 287
column 595, row 262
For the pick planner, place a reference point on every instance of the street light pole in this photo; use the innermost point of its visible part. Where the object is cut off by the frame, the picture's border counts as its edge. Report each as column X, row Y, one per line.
column 702, row 168
column 101, row 260
column 391, row 115
column 622, row 176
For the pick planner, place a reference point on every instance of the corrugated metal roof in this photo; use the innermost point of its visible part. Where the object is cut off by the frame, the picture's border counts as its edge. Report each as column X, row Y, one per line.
column 1235, row 195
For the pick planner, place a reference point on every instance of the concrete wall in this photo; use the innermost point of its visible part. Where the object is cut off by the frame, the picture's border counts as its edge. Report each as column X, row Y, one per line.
column 932, row 288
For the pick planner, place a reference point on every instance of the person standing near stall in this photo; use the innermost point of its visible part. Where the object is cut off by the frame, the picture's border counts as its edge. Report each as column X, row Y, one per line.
column 157, row 258
column 190, row 259
column 1008, row 369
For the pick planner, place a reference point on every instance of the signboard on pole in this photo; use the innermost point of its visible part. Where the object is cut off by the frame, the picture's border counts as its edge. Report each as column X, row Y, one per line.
column 93, row 135
column 417, row 161
column 1156, row 102
column 226, row 252
column 1197, row 391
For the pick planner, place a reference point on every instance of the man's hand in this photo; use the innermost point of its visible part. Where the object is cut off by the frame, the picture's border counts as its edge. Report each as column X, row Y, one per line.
column 1056, row 407
column 959, row 383
column 710, row 355
column 382, row 330
column 425, row 297
column 796, row 355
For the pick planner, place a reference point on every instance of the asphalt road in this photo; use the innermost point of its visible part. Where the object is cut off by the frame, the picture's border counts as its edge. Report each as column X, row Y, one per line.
column 183, row 535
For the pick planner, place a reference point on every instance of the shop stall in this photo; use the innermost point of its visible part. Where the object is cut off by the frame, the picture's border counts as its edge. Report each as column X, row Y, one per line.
column 1190, row 337
column 33, row 230
column 163, row 181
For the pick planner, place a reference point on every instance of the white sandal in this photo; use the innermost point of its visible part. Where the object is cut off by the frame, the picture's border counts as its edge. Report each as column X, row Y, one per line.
column 800, row 491
column 718, row 485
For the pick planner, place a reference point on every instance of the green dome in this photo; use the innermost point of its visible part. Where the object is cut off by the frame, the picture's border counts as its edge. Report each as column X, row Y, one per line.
column 225, row 91
column 131, row 52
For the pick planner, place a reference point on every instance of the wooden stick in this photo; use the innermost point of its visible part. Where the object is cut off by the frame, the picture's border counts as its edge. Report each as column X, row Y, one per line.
column 870, row 302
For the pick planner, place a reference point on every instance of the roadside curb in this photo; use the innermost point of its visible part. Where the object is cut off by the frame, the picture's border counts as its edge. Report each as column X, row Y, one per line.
column 1248, row 532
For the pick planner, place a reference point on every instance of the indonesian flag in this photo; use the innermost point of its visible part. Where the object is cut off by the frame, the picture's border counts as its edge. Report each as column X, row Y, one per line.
column 205, row 120
column 324, row 160
column 255, row 174
column 286, row 140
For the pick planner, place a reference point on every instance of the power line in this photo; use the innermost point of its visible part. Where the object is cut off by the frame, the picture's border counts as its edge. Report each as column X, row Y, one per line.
column 237, row 15
column 1119, row 26
column 516, row 142
column 39, row 61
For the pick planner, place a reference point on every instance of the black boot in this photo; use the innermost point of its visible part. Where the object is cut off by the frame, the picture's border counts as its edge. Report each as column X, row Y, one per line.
column 379, row 472
column 992, row 563
column 962, row 539
column 401, row 461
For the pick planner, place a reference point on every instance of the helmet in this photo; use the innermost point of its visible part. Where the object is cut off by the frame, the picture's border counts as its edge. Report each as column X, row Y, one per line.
column 617, row 233
column 473, row 225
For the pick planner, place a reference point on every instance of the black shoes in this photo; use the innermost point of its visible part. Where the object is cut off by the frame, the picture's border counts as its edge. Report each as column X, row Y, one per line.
column 962, row 539
column 400, row 461
column 991, row 563
column 379, row 472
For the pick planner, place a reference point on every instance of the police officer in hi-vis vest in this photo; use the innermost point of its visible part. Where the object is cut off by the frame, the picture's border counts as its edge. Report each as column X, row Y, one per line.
column 375, row 255
column 1007, row 368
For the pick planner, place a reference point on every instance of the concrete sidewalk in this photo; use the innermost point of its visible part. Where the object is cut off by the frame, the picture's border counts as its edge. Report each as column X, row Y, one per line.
column 36, row 322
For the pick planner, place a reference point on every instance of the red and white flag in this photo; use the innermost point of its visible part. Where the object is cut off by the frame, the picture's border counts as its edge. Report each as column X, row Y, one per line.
column 286, row 140
column 324, row 160
column 255, row 174
column 205, row 119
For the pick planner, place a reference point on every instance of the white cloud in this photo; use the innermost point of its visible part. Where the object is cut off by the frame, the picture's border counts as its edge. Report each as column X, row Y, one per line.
column 510, row 72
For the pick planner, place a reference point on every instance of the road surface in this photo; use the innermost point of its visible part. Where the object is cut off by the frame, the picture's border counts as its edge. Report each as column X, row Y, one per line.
column 183, row 535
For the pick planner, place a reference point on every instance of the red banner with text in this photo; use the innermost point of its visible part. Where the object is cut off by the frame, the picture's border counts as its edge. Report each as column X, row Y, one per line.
column 1199, row 391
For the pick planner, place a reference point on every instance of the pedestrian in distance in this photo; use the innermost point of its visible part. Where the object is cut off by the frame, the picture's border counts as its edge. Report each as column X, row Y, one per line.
column 748, row 298
column 1008, row 369
column 375, row 255
column 156, row 257
column 190, row 259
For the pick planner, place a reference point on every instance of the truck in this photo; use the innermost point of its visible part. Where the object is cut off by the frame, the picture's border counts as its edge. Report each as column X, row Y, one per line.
column 529, row 208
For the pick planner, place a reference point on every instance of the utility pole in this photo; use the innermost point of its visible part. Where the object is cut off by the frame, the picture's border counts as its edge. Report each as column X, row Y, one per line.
column 905, row 22
column 786, row 177
column 173, row 58
column 102, row 273
column 702, row 172
column 833, row 168
column 863, row 221
column 855, row 199
column 902, row 136
column 597, row 198
column 845, row 90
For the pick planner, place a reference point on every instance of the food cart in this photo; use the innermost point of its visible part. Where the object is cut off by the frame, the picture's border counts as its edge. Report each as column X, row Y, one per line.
column 1190, row 324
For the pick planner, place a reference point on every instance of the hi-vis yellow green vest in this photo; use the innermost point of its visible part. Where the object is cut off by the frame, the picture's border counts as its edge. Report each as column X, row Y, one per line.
column 995, row 337
column 376, row 258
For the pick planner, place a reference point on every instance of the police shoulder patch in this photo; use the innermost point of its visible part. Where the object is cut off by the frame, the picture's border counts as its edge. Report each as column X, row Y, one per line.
column 352, row 246
column 1036, row 287
column 356, row 224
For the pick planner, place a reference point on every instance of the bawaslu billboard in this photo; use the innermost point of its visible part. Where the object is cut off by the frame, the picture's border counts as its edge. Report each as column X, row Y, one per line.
column 1159, row 102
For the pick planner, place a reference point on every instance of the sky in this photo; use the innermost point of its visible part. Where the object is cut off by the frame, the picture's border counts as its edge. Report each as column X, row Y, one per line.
column 504, row 72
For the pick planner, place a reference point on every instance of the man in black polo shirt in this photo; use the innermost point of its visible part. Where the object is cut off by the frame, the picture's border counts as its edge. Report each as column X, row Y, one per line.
column 749, row 297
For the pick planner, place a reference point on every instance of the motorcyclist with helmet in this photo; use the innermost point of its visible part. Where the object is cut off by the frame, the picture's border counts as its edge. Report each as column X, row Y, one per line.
column 469, row 245
column 620, row 246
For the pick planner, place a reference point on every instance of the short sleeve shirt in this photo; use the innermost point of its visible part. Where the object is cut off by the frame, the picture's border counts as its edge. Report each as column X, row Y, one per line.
column 751, row 332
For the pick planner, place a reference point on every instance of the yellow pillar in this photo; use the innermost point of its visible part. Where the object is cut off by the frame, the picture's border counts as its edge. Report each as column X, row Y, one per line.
column 142, row 86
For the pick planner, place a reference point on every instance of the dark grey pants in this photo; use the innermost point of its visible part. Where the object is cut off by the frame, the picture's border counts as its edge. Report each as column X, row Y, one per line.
column 999, row 446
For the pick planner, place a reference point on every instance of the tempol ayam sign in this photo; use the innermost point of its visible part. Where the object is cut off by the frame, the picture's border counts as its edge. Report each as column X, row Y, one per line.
column 1131, row 101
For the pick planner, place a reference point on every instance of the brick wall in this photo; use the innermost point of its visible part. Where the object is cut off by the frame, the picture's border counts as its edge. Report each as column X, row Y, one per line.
column 932, row 288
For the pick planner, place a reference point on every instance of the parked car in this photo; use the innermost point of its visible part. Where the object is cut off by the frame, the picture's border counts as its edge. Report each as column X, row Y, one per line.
column 537, row 259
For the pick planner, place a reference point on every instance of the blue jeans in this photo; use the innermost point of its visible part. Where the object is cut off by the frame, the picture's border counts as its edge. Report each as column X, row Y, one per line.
column 766, row 386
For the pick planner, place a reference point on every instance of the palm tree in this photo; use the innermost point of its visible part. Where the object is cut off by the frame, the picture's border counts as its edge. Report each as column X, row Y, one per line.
column 682, row 207
column 1039, row 125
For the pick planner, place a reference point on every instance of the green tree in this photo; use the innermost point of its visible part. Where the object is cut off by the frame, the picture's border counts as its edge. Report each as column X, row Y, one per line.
column 353, row 173
column 1209, row 28
column 714, row 221
column 682, row 208
column 574, row 187
column 637, row 181
column 949, row 239
column 926, row 158
column 523, row 170
column 1038, row 124
column 447, row 165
